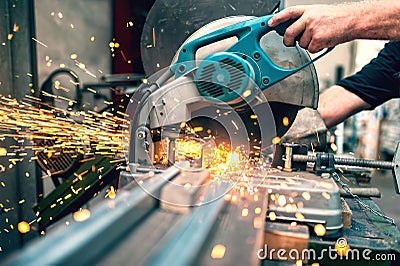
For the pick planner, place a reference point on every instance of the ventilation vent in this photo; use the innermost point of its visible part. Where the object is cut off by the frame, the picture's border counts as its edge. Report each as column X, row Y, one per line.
column 221, row 78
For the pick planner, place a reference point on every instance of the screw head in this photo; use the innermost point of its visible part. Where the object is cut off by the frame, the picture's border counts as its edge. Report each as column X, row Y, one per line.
column 141, row 135
column 182, row 68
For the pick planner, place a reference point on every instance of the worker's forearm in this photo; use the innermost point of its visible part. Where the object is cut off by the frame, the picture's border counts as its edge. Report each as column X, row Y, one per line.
column 336, row 104
column 377, row 19
column 322, row 26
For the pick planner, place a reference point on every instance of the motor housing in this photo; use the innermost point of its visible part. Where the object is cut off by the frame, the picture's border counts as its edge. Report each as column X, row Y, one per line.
column 225, row 77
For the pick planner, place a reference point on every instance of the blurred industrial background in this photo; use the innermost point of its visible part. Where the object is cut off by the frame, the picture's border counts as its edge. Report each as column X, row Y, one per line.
column 96, row 38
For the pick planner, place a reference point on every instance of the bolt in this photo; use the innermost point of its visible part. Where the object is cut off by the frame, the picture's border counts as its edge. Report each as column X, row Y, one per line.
column 141, row 135
column 220, row 78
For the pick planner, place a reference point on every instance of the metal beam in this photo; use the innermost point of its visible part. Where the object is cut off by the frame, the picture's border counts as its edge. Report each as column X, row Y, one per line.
column 17, row 78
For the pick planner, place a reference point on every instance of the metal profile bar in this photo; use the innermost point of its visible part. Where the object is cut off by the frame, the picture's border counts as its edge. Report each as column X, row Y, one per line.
column 83, row 243
column 18, row 75
column 191, row 234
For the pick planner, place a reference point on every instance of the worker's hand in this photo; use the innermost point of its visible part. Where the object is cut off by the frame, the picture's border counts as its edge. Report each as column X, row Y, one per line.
column 308, row 128
column 316, row 26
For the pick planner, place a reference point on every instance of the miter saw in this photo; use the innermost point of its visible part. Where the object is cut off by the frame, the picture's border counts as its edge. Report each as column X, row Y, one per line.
column 233, row 76
column 232, row 83
column 236, row 83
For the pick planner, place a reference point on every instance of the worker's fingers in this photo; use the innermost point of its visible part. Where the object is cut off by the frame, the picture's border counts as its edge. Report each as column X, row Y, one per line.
column 313, row 47
column 286, row 14
column 317, row 43
column 305, row 39
column 294, row 32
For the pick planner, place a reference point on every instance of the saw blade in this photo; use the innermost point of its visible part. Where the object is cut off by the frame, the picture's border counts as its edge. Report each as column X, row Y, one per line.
column 170, row 22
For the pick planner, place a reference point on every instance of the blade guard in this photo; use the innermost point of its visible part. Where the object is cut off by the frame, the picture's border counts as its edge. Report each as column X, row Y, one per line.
column 249, row 34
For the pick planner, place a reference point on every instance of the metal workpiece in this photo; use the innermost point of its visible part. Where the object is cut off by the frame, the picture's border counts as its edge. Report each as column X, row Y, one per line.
column 226, row 228
column 133, row 228
column 227, row 231
column 184, row 243
column 131, row 179
column 182, row 193
column 239, row 231
column 83, row 243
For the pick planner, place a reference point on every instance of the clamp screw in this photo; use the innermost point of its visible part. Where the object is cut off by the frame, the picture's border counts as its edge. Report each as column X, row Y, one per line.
column 182, row 68
column 141, row 135
column 393, row 165
column 347, row 161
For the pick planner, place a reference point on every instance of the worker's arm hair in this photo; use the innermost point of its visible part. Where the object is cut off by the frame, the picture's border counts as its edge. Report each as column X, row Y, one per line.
column 336, row 104
column 324, row 26
column 377, row 19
